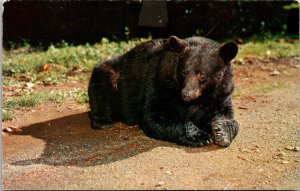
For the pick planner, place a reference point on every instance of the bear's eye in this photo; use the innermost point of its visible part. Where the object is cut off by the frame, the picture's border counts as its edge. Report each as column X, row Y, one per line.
column 201, row 77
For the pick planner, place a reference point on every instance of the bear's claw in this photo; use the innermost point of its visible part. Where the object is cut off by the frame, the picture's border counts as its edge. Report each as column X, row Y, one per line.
column 196, row 141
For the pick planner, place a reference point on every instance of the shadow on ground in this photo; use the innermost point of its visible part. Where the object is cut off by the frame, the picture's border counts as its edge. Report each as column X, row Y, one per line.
column 70, row 141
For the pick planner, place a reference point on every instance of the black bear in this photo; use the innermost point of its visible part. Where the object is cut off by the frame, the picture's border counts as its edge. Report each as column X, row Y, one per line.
column 176, row 90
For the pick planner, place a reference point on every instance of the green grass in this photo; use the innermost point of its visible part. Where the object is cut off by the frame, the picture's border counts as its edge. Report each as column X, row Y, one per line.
column 23, row 101
column 28, row 61
column 269, row 48
column 7, row 115
column 65, row 57
column 76, row 94
column 259, row 89
column 19, row 102
column 36, row 98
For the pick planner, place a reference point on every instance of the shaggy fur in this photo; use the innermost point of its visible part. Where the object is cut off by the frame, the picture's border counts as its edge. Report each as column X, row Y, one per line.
column 176, row 90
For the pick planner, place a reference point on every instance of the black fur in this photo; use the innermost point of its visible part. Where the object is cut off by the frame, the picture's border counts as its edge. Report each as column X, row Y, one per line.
column 177, row 90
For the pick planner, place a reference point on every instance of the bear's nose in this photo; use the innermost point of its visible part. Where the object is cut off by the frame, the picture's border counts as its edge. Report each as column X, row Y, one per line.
column 188, row 96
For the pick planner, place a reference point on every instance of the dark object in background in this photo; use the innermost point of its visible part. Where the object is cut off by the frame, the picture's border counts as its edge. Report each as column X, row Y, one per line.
column 153, row 14
column 45, row 22
column 175, row 90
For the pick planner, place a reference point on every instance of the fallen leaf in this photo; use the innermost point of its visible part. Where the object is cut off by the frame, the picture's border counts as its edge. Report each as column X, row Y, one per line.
column 75, row 71
column 12, row 129
column 46, row 67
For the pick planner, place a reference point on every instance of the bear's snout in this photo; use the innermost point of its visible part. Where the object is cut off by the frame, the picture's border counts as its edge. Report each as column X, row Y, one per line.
column 190, row 95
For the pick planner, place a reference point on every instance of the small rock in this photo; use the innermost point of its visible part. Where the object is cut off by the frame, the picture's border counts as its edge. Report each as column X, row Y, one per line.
column 239, row 41
column 281, row 154
column 285, row 162
column 168, row 172
column 239, row 61
column 30, row 85
column 161, row 183
column 291, row 148
column 275, row 73
column 296, row 66
column 18, row 90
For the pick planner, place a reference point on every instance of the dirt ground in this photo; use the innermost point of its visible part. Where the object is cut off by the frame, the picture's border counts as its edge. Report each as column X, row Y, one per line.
column 57, row 149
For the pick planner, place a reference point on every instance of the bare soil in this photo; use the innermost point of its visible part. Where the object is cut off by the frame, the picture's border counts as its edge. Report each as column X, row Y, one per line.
column 57, row 149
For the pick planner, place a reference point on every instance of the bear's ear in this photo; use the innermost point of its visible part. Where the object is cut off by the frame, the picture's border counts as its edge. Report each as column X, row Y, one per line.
column 176, row 44
column 228, row 51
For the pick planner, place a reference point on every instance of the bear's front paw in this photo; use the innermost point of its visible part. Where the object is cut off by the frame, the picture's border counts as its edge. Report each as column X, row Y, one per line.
column 195, row 137
column 224, row 132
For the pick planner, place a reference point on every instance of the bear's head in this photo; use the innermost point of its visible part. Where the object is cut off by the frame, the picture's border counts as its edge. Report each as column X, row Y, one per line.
column 201, row 63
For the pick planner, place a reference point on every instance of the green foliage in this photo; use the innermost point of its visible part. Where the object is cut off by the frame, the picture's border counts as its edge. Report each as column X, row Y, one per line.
column 267, row 36
column 35, row 98
column 76, row 94
column 62, row 58
column 270, row 48
column 7, row 115
column 294, row 5
column 23, row 101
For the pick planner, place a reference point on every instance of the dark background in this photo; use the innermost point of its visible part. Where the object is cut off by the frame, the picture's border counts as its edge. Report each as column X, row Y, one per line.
column 43, row 22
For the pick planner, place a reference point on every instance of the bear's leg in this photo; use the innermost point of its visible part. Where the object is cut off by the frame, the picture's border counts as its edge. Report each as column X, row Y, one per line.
column 103, row 96
column 224, row 127
column 100, row 114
